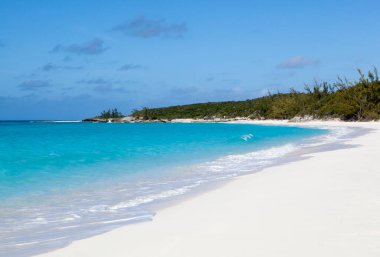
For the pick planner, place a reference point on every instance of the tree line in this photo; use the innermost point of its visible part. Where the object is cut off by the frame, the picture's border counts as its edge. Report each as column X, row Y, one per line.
column 350, row 101
column 110, row 114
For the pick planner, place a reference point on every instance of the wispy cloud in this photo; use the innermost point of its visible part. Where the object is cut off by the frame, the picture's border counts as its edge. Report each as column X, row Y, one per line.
column 128, row 67
column 32, row 85
column 146, row 28
column 184, row 90
column 297, row 62
column 31, row 76
column 229, row 91
column 51, row 67
column 67, row 59
column 210, row 78
column 92, row 47
column 107, row 88
column 98, row 81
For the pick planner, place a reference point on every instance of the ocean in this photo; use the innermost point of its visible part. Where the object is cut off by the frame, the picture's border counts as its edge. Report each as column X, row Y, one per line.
column 62, row 181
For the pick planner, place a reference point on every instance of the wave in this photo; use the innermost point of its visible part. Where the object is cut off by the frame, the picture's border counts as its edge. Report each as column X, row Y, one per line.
column 221, row 168
column 231, row 166
column 246, row 137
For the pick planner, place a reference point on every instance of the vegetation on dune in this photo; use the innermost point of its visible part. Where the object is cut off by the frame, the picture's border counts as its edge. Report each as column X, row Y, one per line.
column 359, row 100
column 110, row 114
column 106, row 115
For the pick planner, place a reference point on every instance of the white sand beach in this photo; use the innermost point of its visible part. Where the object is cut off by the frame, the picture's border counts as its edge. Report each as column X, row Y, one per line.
column 327, row 204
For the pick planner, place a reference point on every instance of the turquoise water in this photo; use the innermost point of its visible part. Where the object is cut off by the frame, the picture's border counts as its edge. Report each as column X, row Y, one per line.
column 63, row 181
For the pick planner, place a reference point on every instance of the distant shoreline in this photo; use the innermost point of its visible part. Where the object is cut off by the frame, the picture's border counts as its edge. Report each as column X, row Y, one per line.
column 295, row 120
column 129, row 119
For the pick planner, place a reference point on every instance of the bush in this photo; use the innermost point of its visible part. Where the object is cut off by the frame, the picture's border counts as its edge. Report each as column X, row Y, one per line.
column 346, row 100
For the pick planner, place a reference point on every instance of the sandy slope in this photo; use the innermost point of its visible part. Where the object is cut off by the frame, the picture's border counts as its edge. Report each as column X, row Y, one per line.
column 326, row 205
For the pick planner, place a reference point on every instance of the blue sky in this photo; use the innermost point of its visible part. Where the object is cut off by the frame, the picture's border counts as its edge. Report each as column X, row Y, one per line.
column 72, row 59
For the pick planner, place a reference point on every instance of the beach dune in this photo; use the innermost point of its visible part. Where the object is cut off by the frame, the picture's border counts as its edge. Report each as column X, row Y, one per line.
column 327, row 204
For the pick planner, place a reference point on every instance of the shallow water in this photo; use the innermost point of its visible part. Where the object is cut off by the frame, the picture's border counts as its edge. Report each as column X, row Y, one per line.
column 64, row 181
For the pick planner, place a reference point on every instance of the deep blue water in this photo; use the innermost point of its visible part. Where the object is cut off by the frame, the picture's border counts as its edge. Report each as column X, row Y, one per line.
column 62, row 181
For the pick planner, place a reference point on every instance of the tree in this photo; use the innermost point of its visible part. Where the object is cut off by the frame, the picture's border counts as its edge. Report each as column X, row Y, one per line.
column 358, row 100
column 145, row 113
column 110, row 113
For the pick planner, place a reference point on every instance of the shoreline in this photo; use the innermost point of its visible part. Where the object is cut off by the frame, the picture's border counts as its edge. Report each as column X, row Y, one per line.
column 171, row 223
column 272, row 154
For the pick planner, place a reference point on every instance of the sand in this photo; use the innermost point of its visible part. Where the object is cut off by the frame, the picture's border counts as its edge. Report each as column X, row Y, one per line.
column 327, row 204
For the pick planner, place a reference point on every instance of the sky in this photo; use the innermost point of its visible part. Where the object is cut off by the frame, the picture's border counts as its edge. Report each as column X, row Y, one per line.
column 72, row 59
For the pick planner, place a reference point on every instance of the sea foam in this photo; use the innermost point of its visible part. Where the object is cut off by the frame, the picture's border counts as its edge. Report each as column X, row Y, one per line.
column 77, row 180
